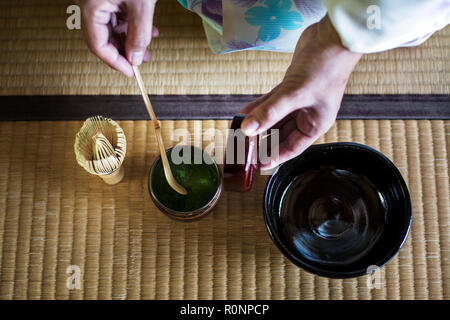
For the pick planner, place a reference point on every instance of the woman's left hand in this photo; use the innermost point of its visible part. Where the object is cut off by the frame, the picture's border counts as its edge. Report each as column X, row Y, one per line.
column 305, row 104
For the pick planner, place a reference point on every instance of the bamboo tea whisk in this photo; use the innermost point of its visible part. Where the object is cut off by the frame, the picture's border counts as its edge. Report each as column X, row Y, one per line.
column 100, row 148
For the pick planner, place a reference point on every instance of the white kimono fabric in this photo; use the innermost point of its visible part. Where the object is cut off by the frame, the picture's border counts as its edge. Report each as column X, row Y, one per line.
column 275, row 25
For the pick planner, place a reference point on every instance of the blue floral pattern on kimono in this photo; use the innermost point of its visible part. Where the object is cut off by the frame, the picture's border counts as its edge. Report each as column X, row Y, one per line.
column 272, row 25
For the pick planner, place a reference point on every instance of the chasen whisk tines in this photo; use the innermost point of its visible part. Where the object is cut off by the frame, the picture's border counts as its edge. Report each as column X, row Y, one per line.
column 100, row 148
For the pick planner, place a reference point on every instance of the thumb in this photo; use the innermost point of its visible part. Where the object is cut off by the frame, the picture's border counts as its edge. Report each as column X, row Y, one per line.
column 139, row 34
column 268, row 113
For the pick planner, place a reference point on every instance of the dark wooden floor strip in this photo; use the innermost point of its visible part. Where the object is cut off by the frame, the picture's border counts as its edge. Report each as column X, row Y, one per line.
column 169, row 107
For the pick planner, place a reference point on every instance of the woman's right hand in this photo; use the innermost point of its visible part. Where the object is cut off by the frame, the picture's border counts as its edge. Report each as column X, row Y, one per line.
column 305, row 104
column 104, row 20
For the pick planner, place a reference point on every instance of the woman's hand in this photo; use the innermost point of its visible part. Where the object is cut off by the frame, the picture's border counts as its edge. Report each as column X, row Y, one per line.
column 104, row 20
column 305, row 104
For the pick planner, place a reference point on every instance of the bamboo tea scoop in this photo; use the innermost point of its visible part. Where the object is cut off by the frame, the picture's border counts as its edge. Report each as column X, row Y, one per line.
column 167, row 171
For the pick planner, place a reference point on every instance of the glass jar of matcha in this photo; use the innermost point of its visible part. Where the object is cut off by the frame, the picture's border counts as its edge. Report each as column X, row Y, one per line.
column 197, row 172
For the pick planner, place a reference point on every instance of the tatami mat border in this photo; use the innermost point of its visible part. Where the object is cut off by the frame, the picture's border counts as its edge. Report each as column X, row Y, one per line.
column 219, row 107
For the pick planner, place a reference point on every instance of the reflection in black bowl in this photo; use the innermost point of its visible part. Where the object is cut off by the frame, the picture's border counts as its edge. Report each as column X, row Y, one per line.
column 338, row 209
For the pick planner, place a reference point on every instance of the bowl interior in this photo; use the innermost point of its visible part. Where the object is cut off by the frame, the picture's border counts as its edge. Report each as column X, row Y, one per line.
column 365, row 161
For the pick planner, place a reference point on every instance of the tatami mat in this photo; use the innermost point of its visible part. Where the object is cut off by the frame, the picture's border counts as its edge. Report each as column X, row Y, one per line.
column 54, row 215
column 39, row 55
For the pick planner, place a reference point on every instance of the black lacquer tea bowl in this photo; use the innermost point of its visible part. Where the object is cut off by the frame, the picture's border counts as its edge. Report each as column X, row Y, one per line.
column 338, row 210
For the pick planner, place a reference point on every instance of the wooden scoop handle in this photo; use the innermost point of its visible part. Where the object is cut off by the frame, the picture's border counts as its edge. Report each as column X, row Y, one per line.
column 167, row 171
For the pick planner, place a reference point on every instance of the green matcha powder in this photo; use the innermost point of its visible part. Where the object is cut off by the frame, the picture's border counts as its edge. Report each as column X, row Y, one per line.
column 200, row 180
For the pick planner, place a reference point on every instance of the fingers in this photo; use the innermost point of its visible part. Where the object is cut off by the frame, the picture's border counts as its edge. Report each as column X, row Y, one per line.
column 290, row 147
column 119, row 43
column 269, row 112
column 155, row 32
column 300, row 131
column 287, row 128
column 111, row 56
column 140, row 30
column 249, row 107
column 97, row 34
column 146, row 56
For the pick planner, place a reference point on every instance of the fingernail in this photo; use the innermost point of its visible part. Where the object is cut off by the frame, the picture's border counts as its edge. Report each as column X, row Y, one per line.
column 249, row 126
column 136, row 58
column 269, row 168
column 266, row 171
